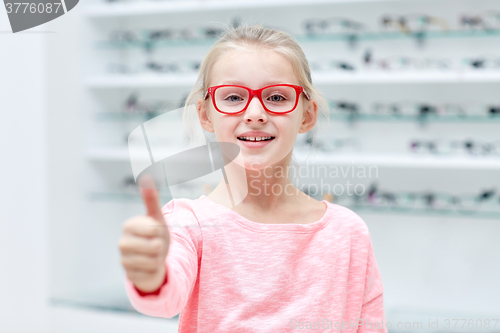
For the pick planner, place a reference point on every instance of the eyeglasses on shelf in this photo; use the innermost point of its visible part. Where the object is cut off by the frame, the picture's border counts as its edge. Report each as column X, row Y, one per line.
column 488, row 20
column 415, row 111
column 486, row 61
column 332, row 25
column 405, row 62
column 412, row 23
column 426, row 109
column 325, row 65
column 331, row 145
column 179, row 66
column 132, row 104
column 149, row 38
column 427, row 200
column 443, row 147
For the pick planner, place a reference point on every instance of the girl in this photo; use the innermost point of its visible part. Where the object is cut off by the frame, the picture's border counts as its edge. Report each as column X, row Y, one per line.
column 278, row 260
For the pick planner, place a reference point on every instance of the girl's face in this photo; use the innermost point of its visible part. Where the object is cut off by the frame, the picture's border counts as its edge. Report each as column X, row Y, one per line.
column 256, row 68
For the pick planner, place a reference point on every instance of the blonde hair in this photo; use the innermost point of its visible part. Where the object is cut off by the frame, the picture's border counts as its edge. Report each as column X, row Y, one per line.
column 257, row 35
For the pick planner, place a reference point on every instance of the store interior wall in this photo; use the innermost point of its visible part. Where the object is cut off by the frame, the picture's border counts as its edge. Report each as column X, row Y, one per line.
column 23, row 148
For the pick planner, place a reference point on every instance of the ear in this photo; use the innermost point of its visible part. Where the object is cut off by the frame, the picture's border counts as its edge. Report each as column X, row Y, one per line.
column 205, row 121
column 310, row 116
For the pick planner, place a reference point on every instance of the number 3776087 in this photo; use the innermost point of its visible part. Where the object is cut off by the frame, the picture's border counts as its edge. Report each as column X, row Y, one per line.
column 471, row 324
column 26, row 7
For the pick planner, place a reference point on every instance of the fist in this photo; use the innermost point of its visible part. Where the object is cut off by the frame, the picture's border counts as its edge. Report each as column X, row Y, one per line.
column 145, row 242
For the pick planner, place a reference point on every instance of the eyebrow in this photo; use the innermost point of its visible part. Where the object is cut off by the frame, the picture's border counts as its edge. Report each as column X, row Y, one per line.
column 240, row 83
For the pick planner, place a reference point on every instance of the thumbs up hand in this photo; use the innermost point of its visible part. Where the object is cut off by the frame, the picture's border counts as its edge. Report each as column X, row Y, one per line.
column 145, row 242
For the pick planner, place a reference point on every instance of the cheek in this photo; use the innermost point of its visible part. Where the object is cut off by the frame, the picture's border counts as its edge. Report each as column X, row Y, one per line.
column 225, row 128
column 292, row 124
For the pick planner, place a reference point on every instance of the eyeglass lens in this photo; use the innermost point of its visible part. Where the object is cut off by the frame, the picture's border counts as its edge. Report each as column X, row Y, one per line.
column 276, row 99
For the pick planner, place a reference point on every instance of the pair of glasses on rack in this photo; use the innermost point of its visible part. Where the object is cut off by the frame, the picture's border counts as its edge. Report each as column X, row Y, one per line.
column 329, row 145
column 325, row 65
column 135, row 109
column 417, row 110
column 486, row 200
column 180, row 66
column 444, row 147
column 153, row 35
column 405, row 62
column 332, row 25
column 488, row 20
column 412, row 23
column 345, row 108
column 425, row 109
column 396, row 109
column 147, row 38
column 132, row 104
column 487, row 61
column 173, row 67
column 415, row 25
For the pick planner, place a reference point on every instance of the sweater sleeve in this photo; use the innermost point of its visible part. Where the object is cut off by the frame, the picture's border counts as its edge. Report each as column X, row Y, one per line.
column 181, row 266
column 372, row 313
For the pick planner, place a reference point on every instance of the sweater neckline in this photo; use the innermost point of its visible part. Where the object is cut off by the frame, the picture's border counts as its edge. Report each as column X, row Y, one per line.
column 273, row 227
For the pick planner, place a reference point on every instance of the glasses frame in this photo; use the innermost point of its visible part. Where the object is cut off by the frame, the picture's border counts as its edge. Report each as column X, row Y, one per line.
column 258, row 93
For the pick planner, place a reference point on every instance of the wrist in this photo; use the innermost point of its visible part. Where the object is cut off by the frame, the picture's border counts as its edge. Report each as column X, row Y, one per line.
column 156, row 291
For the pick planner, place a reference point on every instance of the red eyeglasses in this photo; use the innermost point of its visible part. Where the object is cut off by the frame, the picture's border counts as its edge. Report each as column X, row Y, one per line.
column 278, row 98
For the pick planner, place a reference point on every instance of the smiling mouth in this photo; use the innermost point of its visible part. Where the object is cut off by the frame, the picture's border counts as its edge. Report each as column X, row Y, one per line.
column 256, row 139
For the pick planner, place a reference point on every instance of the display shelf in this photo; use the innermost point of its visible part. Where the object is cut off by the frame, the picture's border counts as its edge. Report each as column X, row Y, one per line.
column 320, row 38
column 451, row 213
column 408, row 118
column 124, row 117
column 316, row 157
column 140, row 80
column 409, row 160
column 448, row 213
column 406, row 77
column 110, row 10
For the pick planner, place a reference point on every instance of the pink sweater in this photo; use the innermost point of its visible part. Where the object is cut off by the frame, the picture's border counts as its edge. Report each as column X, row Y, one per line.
column 226, row 273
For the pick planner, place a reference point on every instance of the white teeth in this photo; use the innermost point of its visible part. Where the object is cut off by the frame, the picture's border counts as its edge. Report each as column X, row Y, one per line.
column 253, row 138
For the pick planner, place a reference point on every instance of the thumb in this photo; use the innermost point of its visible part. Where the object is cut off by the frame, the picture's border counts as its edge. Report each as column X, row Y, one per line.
column 150, row 198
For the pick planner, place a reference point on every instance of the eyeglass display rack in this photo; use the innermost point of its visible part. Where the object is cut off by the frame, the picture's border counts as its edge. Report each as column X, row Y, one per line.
column 132, row 79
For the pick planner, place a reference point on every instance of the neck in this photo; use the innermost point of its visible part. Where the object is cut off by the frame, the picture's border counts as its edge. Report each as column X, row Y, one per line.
column 263, row 186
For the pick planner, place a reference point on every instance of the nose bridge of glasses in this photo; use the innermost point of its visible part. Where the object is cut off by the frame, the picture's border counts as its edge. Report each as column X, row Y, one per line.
column 256, row 98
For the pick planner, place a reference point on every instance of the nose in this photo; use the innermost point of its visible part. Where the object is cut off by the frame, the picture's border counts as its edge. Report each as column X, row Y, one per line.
column 255, row 111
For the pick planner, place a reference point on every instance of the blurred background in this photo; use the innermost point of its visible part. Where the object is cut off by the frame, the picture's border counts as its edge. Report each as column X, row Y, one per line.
column 414, row 108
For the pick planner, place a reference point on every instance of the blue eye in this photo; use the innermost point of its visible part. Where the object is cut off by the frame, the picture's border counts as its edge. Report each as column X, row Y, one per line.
column 233, row 98
column 276, row 98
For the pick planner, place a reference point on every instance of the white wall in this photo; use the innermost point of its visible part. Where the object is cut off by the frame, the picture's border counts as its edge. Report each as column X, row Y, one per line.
column 23, row 149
